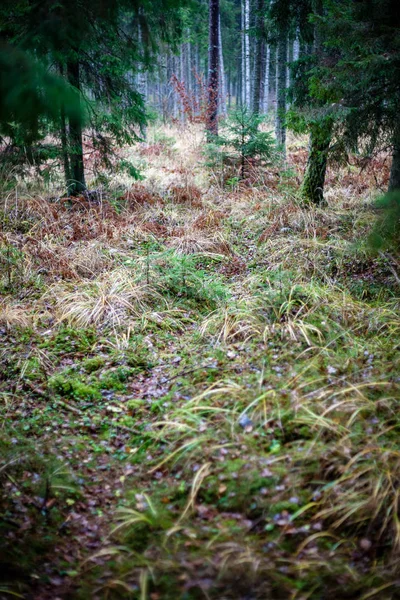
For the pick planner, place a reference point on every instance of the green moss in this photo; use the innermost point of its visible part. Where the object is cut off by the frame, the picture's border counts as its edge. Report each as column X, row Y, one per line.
column 90, row 365
column 68, row 340
column 116, row 379
column 74, row 388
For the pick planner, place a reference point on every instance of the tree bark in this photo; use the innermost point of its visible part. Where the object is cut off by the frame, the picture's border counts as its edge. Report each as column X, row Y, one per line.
column 77, row 174
column 394, row 181
column 259, row 58
column 64, row 138
column 281, row 60
column 247, row 51
column 213, row 70
column 266, row 79
column 312, row 189
column 222, row 79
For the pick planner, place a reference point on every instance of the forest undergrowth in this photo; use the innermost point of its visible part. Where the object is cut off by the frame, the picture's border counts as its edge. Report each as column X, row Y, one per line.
column 199, row 386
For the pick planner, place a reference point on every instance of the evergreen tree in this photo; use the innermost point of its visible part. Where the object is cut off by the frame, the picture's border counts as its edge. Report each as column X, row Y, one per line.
column 95, row 45
column 363, row 80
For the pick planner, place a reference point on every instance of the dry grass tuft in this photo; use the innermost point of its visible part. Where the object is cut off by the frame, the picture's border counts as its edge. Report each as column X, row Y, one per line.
column 108, row 301
column 13, row 315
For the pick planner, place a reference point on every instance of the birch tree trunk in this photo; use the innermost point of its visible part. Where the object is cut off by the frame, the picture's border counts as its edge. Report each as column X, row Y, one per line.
column 213, row 70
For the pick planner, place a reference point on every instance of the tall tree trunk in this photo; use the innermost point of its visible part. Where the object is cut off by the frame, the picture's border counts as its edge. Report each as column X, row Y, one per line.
column 243, row 63
column 281, row 60
column 64, row 147
column 142, row 82
column 222, row 79
column 213, row 70
column 312, row 189
column 290, row 54
column 182, row 79
column 77, row 173
column 259, row 58
column 394, row 181
column 247, row 51
column 296, row 48
column 64, row 138
column 266, row 79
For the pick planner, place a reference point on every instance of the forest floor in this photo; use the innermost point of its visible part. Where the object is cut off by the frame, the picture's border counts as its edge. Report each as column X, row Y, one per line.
column 199, row 387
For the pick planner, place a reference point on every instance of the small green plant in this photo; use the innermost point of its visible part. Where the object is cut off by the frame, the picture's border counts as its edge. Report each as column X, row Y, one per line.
column 241, row 142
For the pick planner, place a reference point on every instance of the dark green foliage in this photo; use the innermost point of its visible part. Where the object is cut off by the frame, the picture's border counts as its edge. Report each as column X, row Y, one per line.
column 97, row 48
column 29, row 94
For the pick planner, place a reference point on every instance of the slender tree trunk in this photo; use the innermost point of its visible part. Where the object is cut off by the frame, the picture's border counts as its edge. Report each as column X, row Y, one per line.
column 266, row 80
column 290, row 54
column 281, row 60
column 394, row 182
column 76, row 172
column 222, row 79
column 213, row 70
column 247, row 52
column 182, row 79
column 64, row 147
column 64, row 138
column 259, row 54
column 243, row 63
column 296, row 48
column 142, row 83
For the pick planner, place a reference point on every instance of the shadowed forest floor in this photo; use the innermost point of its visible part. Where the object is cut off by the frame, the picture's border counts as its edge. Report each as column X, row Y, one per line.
column 199, row 387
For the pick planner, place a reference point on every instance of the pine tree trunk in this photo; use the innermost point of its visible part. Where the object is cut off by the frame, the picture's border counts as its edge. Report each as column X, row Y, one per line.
column 182, row 79
column 259, row 52
column 394, row 181
column 77, row 174
column 64, row 139
column 312, row 189
column 222, row 79
column 247, row 51
column 281, row 60
column 290, row 54
column 213, row 70
column 266, row 80
column 64, row 147
column 243, row 63
column 142, row 84
column 296, row 49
